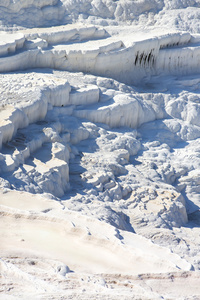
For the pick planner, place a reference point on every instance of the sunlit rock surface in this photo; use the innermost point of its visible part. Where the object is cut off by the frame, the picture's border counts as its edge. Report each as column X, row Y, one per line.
column 99, row 149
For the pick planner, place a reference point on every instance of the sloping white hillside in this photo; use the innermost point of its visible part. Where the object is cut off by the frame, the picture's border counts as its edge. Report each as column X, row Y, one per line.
column 174, row 14
column 99, row 149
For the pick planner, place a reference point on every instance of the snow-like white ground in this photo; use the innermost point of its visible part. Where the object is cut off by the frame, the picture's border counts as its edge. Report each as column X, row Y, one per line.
column 99, row 149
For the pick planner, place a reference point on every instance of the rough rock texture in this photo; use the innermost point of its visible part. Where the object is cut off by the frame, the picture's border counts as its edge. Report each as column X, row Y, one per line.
column 99, row 149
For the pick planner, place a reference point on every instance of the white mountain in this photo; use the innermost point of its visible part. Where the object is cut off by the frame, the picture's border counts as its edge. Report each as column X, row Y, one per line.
column 99, row 149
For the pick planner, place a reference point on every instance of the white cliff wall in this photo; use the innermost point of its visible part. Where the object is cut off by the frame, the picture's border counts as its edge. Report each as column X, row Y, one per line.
column 177, row 53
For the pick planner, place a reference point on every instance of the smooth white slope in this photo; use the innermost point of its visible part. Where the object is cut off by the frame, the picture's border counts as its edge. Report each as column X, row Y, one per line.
column 81, row 242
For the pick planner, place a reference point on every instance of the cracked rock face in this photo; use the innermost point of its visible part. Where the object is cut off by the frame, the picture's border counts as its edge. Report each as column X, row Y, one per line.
column 99, row 150
column 130, row 170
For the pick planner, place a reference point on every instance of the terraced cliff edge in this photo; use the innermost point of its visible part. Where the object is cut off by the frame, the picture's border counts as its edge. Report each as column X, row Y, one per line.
column 99, row 150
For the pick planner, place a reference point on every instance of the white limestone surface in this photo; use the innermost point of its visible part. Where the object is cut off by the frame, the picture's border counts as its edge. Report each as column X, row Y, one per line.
column 99, row 149
column 126, row 60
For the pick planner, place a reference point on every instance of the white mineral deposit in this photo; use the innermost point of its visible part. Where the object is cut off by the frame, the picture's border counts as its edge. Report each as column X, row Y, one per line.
column 99, row 149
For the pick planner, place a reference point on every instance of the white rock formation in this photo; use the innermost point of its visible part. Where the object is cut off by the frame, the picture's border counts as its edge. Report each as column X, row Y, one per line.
column 99, row 149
